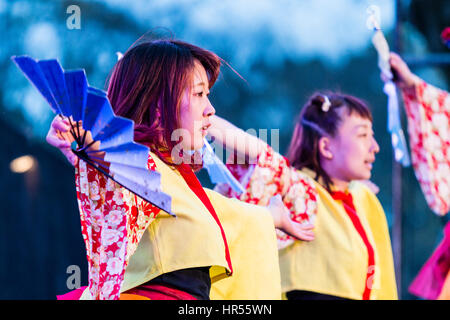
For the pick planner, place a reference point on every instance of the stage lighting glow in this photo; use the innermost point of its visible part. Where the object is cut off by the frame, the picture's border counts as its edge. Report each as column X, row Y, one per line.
column 22, row 164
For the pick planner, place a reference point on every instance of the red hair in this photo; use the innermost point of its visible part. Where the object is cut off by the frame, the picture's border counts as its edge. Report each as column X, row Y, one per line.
column 147, row 85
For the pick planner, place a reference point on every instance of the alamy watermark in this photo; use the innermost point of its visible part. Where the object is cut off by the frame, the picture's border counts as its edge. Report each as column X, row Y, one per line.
column 74, row 279
column 233, row 146
column 73, row 21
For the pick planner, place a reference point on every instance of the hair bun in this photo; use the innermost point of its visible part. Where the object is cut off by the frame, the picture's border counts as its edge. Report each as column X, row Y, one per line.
column 321, row 101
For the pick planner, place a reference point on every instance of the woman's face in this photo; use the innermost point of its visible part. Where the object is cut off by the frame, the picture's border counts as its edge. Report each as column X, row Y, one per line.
column 353, row 149
column 195, row 110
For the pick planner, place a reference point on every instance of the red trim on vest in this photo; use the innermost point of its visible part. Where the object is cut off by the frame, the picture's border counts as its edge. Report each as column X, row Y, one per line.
column 347, row 201
column 160, row 292
column 193, row 183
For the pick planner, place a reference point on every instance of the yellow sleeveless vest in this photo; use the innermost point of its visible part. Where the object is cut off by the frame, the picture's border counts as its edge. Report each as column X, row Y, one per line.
column 253, row 248
column 336, row 261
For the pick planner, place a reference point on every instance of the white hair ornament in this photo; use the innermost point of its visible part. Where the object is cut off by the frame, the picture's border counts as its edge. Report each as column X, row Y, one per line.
column 326, row 104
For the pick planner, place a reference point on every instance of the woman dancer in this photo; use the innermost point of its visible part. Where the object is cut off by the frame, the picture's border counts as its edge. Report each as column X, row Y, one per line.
column 331, row 148
column 163, row 86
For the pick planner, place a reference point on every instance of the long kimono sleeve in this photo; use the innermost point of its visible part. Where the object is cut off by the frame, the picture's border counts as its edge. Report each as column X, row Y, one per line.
column 256, row 276
column 270, row 176
column 428, row 112
column 112, row 222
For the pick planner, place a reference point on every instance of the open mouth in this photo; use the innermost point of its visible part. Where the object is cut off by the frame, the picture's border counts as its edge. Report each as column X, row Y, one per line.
column 369, row 163
column 205, row 128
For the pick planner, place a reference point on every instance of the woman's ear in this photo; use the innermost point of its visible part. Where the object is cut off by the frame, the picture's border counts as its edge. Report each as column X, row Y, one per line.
column 325, row 148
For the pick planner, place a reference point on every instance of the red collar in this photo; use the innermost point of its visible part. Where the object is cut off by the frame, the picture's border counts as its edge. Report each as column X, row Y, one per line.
column 347, row 200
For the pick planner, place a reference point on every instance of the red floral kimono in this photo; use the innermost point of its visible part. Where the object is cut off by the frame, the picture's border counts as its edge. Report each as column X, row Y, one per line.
column 110, row 239
column 428, row 112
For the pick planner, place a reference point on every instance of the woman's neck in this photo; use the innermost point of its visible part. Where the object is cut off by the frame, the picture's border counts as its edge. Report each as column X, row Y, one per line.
column 339, row 181
column 339, row 185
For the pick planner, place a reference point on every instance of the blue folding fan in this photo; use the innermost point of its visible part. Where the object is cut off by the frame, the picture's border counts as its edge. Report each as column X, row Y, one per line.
column 69, row 95
column 217, row 170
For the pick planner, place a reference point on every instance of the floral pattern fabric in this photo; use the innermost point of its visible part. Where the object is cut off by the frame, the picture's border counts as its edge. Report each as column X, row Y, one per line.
column 428, row 112
column 113, row 221
column 272, row 175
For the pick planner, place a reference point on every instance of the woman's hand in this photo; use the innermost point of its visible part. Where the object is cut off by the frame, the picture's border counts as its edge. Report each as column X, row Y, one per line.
column 282, row 221
column 60, row 137
column 405, row 78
